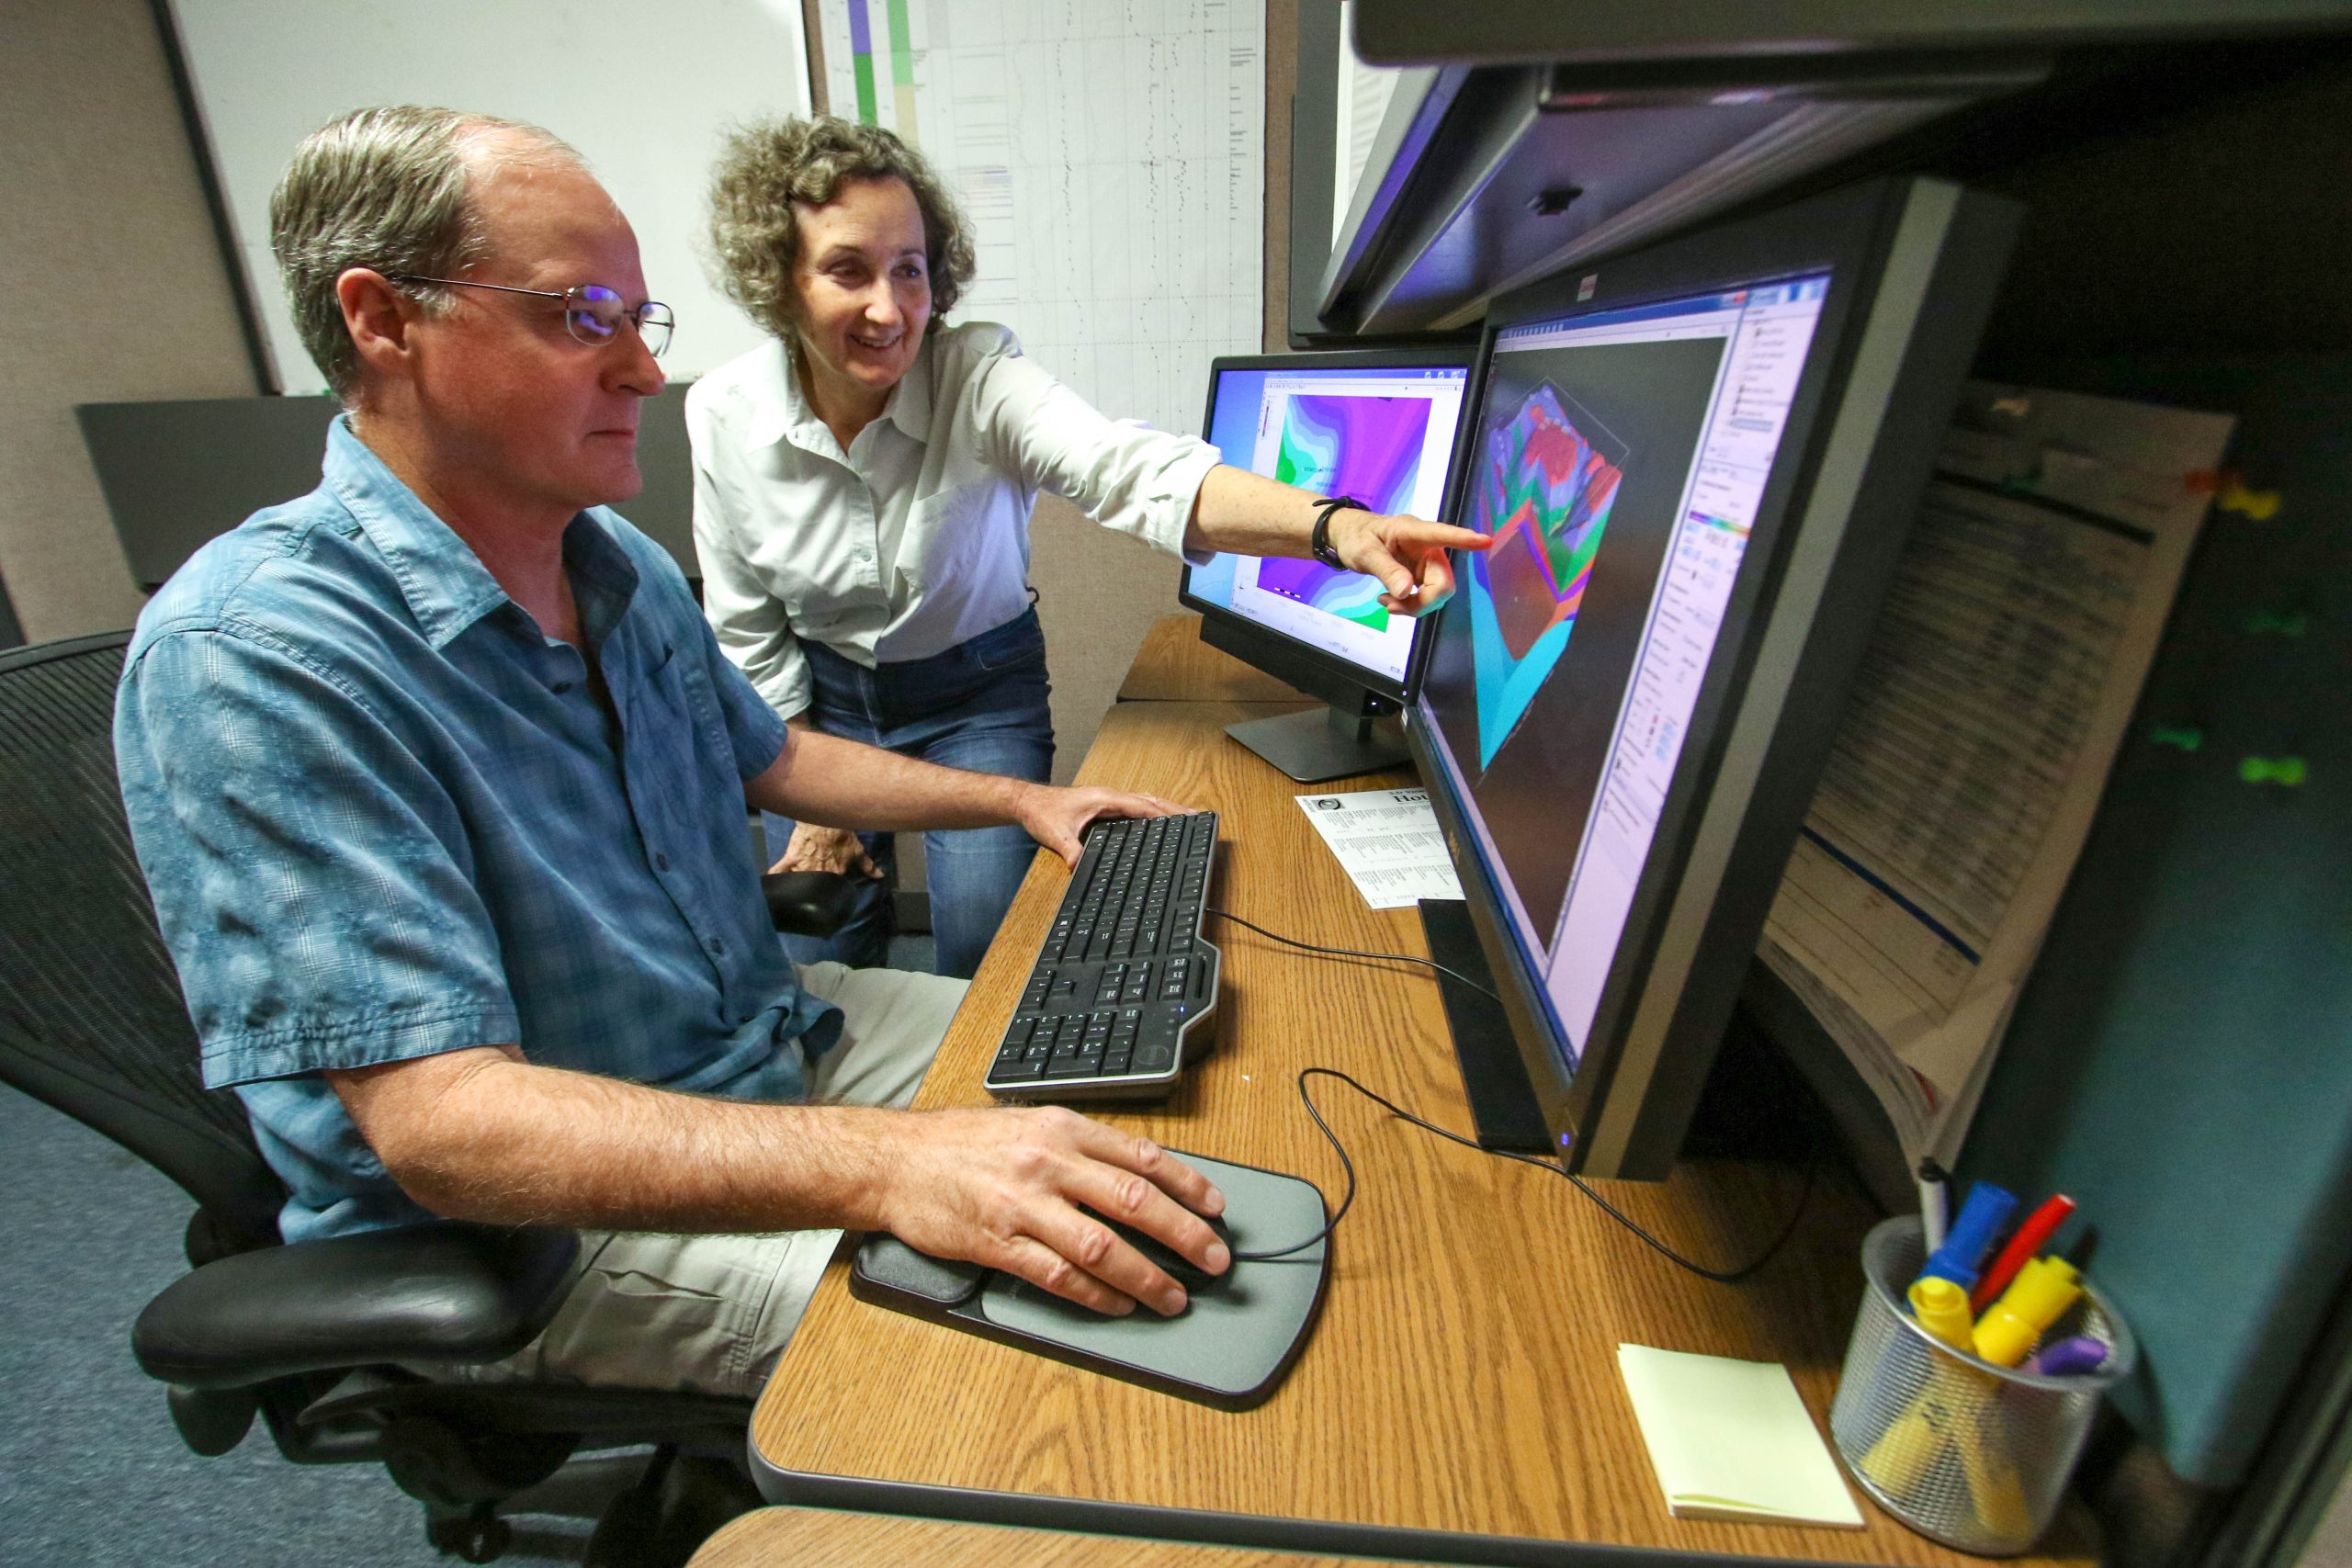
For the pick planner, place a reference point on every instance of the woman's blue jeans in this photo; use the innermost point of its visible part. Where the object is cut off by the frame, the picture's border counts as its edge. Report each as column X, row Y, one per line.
column 980, row 706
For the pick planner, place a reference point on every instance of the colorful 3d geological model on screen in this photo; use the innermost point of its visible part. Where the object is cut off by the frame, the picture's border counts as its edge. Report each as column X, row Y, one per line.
column 1544, row 493
column 1367, row 447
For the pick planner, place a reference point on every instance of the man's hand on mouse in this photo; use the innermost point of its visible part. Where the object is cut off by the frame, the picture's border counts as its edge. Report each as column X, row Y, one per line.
column 1004, row 1188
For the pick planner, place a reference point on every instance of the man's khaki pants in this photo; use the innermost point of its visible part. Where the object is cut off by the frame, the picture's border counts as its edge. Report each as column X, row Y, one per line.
column 710, row 1314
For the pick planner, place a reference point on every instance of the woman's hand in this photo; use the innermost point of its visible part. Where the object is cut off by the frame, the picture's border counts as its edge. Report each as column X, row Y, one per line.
column 1407, row 554
column 1240, row 512
column 825, row 848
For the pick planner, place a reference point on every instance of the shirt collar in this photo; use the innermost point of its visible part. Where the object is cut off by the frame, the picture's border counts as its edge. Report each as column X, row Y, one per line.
column 784, row 413
column 910, row 404
column 446, row 585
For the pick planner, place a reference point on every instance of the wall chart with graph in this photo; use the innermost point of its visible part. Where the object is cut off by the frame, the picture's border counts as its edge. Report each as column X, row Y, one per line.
column 1112, row 160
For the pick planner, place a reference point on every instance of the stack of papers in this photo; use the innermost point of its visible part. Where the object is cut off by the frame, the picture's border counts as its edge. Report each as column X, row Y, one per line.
column 1999, row 685
column 1731, row 1441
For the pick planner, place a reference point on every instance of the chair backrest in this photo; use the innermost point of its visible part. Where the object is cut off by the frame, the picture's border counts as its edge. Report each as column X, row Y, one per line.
column 91, row 1017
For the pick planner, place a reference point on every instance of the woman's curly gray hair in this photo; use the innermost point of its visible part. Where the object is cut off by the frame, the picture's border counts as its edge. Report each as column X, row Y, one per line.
column 769, row 166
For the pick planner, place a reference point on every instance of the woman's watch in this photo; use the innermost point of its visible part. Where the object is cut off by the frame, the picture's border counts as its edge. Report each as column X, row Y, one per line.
column 1319, row 543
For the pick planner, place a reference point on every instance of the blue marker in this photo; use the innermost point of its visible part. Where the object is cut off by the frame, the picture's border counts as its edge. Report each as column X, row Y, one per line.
column 1972, row 1236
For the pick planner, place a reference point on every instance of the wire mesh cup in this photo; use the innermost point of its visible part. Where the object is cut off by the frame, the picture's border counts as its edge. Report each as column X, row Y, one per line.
column 1970, row 1454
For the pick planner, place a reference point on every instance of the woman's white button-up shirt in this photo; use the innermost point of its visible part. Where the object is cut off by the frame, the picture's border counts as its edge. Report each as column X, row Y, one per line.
column 917, row 538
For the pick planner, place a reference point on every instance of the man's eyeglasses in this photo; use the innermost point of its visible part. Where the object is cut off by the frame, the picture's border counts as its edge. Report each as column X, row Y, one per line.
column 591, row 312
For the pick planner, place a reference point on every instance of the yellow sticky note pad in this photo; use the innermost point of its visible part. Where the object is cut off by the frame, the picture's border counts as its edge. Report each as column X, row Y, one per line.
column 1731, row 1439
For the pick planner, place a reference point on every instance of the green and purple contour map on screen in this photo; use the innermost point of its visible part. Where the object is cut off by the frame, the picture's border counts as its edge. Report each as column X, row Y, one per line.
column 1544, row 493
column 1337, row 445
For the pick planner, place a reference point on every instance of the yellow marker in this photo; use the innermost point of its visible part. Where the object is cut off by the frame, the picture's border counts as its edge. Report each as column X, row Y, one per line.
column 1910, row 1446
column 2044, row 1288
column 1941, row 1307
column 1993, row 1485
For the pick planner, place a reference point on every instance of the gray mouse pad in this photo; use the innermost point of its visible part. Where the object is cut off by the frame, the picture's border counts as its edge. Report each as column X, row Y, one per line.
column 1229, row 1347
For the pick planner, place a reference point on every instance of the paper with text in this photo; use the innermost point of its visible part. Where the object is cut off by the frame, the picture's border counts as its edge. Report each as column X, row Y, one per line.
column 1984, row 719
column 1388, row 842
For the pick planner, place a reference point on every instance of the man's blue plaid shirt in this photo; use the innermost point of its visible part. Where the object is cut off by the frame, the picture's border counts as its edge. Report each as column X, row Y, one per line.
column 383, row 815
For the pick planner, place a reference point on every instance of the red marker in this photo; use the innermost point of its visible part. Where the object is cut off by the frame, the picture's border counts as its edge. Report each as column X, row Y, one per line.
column 2039, row 1227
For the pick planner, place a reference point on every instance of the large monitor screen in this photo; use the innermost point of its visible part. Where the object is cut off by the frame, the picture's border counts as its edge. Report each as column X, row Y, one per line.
column 1620, row 460
column 1381, row 433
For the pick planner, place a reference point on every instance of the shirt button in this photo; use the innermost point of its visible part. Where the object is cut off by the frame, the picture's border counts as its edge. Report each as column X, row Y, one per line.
column 718, row 946
column 865, row 555
column 660, row 863
column 560, row 687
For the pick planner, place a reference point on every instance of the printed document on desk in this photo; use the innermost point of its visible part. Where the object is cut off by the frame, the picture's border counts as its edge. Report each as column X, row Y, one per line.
column 1984, row 720
column 1388, row 841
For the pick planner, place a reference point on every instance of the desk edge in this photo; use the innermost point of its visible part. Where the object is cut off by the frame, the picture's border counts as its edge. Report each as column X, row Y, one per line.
column 1259, row 1531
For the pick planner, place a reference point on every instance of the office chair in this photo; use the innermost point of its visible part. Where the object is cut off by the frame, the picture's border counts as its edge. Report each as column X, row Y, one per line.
column 313, row 1338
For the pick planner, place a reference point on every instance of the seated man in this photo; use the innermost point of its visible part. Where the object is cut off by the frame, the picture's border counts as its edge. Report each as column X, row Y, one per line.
column 440, row 783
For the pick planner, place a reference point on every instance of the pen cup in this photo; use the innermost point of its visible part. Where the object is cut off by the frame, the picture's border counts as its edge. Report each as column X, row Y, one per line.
column 1970, row 1454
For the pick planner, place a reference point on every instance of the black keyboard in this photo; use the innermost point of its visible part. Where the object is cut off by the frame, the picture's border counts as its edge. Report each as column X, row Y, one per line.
column 1123, row 985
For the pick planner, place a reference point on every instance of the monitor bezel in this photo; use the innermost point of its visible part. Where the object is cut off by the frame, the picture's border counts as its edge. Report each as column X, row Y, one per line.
column 1313, row 669
column 1849, row 234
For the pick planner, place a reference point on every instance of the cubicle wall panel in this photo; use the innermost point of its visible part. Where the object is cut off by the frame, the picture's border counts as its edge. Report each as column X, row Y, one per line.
column 176, row 474
column 2181, row 1061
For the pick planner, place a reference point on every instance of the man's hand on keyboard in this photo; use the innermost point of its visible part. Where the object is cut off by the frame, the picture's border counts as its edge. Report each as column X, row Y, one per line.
column 1056, row 817
column 1002, row 1188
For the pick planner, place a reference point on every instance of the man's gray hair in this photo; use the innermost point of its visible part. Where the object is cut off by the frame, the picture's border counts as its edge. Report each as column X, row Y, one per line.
column 384, row 188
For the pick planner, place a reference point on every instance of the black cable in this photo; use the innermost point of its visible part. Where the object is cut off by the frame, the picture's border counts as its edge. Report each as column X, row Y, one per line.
column 1349, row 952
column 1345, row 1163
column 1721, row 1276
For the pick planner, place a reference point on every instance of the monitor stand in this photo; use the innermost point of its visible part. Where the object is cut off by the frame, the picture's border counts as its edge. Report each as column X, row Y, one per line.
column 1323, row 743
column 1502, row 1103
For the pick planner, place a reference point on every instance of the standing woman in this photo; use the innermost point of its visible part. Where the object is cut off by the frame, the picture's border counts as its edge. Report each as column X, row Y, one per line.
column 863, row 489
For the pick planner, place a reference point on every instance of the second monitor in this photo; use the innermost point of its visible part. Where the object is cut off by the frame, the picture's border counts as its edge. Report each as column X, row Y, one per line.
column 1382, row 426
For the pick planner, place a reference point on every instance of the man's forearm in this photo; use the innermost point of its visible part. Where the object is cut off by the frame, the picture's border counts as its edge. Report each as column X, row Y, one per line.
column 842, row 783
column 505, row 1146
column 483, row 1135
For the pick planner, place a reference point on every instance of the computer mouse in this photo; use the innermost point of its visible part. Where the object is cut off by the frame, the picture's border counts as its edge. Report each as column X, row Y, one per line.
column 1170, row 1262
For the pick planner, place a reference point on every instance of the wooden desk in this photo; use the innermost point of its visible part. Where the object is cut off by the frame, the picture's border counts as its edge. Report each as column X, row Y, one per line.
column 1461, row 1385
column 826, row 1538
column 1175, row 666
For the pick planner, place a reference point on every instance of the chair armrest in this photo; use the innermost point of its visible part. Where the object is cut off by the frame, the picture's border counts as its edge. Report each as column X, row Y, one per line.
column 445, row 1290
column 810, row 903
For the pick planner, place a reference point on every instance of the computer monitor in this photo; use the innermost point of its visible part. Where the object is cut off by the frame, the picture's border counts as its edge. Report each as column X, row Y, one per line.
column 1698, row 463
column 1380, row 426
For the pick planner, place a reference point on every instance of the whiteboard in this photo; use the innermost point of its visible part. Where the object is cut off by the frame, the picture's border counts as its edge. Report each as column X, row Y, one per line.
column 643, row 92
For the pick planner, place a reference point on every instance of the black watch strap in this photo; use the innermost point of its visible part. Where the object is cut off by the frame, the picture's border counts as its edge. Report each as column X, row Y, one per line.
column 1320, row 542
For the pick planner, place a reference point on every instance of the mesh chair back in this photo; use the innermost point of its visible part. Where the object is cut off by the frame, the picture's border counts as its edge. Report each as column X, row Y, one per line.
column 91, row 1017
